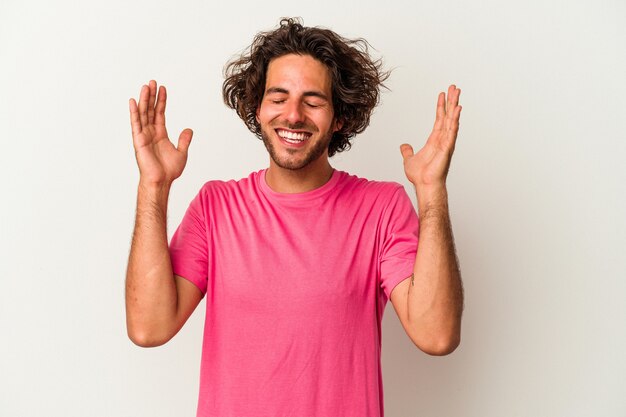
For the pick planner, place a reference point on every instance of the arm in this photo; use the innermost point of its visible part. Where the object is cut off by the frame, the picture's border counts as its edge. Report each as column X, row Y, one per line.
column 157, row 302
column 430, row 303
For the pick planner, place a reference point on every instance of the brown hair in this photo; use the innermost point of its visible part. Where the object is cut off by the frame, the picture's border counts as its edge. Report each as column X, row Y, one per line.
column 356, row 78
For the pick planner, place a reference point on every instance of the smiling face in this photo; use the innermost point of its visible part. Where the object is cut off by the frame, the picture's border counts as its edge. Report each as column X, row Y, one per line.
column 296, row 113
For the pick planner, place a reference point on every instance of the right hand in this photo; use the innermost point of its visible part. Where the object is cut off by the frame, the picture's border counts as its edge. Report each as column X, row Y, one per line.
column 160, row 163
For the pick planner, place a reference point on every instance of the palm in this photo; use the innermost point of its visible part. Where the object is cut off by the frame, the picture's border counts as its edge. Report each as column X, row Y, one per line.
column 158, row 159
column 429, row 166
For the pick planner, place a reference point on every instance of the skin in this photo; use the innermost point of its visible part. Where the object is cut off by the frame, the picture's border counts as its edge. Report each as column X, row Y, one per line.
column 298, row 99
column 157, row 302
column 431, row 304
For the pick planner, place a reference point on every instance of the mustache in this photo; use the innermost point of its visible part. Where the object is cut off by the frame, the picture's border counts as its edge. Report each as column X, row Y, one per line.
column 296, row 126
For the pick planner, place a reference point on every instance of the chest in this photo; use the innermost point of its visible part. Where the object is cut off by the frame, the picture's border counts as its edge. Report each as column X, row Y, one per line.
column 304, row 258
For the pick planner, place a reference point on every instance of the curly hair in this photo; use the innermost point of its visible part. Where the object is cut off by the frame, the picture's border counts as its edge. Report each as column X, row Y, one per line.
column 356, row 78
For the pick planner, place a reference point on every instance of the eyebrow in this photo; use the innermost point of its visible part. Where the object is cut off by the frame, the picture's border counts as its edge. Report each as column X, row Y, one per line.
column 280, row 90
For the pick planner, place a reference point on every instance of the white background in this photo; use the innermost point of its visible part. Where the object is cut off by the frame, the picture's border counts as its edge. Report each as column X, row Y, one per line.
column 536, row 193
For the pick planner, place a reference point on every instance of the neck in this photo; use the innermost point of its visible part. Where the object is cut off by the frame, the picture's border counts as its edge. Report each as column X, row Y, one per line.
column 301, row 180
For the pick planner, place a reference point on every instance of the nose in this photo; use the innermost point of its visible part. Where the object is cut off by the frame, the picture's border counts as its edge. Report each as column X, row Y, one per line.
column 294, row 112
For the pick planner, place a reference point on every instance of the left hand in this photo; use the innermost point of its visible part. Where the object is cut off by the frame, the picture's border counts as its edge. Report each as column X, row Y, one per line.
column 428, row 168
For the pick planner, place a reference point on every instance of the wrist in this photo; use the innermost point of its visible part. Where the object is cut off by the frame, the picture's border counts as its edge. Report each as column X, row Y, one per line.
column 432, row 196
column 154, row 186
column 153, row 193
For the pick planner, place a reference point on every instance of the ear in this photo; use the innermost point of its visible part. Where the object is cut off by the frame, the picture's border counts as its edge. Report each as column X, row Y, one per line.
column 338, row 125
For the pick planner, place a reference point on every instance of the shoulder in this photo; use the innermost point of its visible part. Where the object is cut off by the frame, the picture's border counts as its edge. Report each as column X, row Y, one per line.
column 370, row 188
column 215, row 188
column 226, row 193
column 380, row 199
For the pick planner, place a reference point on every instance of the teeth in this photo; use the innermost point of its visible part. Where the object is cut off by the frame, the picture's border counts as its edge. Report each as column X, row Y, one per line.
column 294, row 136
column 293, row 140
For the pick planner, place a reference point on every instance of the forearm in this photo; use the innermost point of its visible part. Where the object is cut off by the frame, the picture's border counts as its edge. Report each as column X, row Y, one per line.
column 435, row 299
column 151, row 295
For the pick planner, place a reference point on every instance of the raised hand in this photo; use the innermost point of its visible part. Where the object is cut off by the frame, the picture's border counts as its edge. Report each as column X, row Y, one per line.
column 428, row 168
column 160, row 163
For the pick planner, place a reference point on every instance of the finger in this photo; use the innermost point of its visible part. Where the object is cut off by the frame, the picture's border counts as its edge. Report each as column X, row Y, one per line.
column 440, row 112
column 452, row 99
column 456, row 118
column 143, row 99
column 135, row 124
column 151, row 99
column 453, row 102
column 159, row 117
column 455, row 97
column 406, row 150
column 454, row 128
column 184, row 140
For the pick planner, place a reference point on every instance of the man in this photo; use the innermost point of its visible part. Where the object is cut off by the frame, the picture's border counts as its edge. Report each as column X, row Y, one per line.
column 297, row 260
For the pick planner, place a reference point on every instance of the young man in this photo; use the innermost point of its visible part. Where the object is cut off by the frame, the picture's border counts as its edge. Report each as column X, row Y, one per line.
column 298, row 260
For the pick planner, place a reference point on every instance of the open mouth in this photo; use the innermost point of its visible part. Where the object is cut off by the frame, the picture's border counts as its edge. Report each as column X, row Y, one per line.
column 292, row 137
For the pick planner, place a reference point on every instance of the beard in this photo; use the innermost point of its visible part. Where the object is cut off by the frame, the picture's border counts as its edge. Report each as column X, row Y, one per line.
column 293, row 164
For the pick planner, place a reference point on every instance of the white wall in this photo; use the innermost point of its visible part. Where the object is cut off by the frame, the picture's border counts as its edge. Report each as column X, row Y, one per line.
column 536, row 186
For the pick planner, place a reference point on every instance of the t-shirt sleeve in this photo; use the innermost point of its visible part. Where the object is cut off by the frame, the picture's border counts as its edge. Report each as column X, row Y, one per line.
column 188, row 247
column 399, row 246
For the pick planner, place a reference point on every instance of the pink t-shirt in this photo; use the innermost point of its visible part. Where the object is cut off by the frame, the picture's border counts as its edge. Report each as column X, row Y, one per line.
column 296, row 286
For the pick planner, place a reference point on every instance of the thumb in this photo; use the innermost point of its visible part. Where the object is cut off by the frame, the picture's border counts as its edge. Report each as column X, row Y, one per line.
column 184, row 140
column 406, row 150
